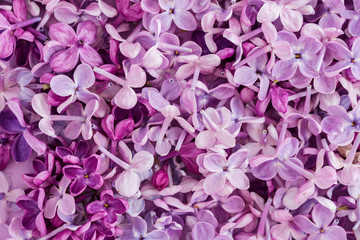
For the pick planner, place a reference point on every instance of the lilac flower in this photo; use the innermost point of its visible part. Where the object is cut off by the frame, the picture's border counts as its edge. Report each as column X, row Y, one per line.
column 12, row 122
column 61, row 203
column 222, row 170
column 196, row 65
column 63, row 86
column 216, row 132
column 266, row 167
column 341, row 125
column 80, row 120
column 8, row 196
column 322, row 218
column 33, row 207
column 176, row 11
column 73, row 45
column 135, row 78
column 139, row 229
column 303, row 59
column 347, row 59
column 83, row 177
column 290, row 13
column 109, row 205
column 68, row 156
column 17, row 232
column 248, row 75
column 12, row 32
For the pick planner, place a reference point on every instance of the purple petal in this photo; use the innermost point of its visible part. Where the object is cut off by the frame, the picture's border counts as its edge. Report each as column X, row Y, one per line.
column 65, row 60
column 86, row 31
column 83, row 76
column 322, row 216
column 73, row 171
column 20, row 149
column 214, row 182
column 238, row 179
column 203, row 230
column 7, row 44
column 265, row 171
column 78, row 186
column 185, row 20
column 305, row 224
column 90, row 56
column 62, row 33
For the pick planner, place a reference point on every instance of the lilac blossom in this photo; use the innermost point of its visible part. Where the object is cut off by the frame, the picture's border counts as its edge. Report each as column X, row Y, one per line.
column 109, row 205
column 222, row 170
column 176, row 11
column 73, row 45
column 63, row 86
column 138, row 230
column 83, row 177
column 290, row 13
column 322, row 218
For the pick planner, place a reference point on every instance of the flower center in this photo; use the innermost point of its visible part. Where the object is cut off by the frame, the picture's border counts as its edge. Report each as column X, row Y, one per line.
column 81, row 42
column 352, row 60
column 297, row 55
column 106, row 205
column 171, row 11
column 322, row 230
column 225, row 169
column 86, row 176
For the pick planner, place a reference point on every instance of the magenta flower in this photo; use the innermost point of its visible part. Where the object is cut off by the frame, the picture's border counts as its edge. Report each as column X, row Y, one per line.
column 84, row 176
column 74, row 45
column 63, row 86
column 223, row 170
column 110, row 205
column 320, row 229
column 176, row 11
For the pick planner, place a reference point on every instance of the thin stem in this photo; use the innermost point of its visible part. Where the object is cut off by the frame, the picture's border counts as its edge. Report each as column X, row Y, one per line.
column 59, row 230
column 44, row 20
column 308, row 175
column 167, row 46
column 67, row 118
column 164, row 128
column 299, row 95
column 37, row 34
column 26, row 22
column 320, row 59
column 116, row 160
column 350, row 157
column 254, row 55
column 261, row 226
column 110, row 76
column 282, row 132
column 306, row 109
column 171, row 182
column 180, row 140
column 249, row 35
column 195, row 78
column 212, row 125
column 134, row 33
column 357, row 224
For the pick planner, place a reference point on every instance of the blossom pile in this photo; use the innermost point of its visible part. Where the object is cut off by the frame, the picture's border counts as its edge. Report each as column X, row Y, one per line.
column 180, row 119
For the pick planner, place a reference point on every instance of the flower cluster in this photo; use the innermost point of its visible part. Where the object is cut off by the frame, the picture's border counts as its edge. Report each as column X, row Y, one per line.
column 180, row 119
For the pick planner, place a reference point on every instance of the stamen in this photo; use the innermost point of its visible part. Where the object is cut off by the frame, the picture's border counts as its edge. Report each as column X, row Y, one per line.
column 86, row 176
column 297, row 55
column 106, row 205
column 171, row 11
